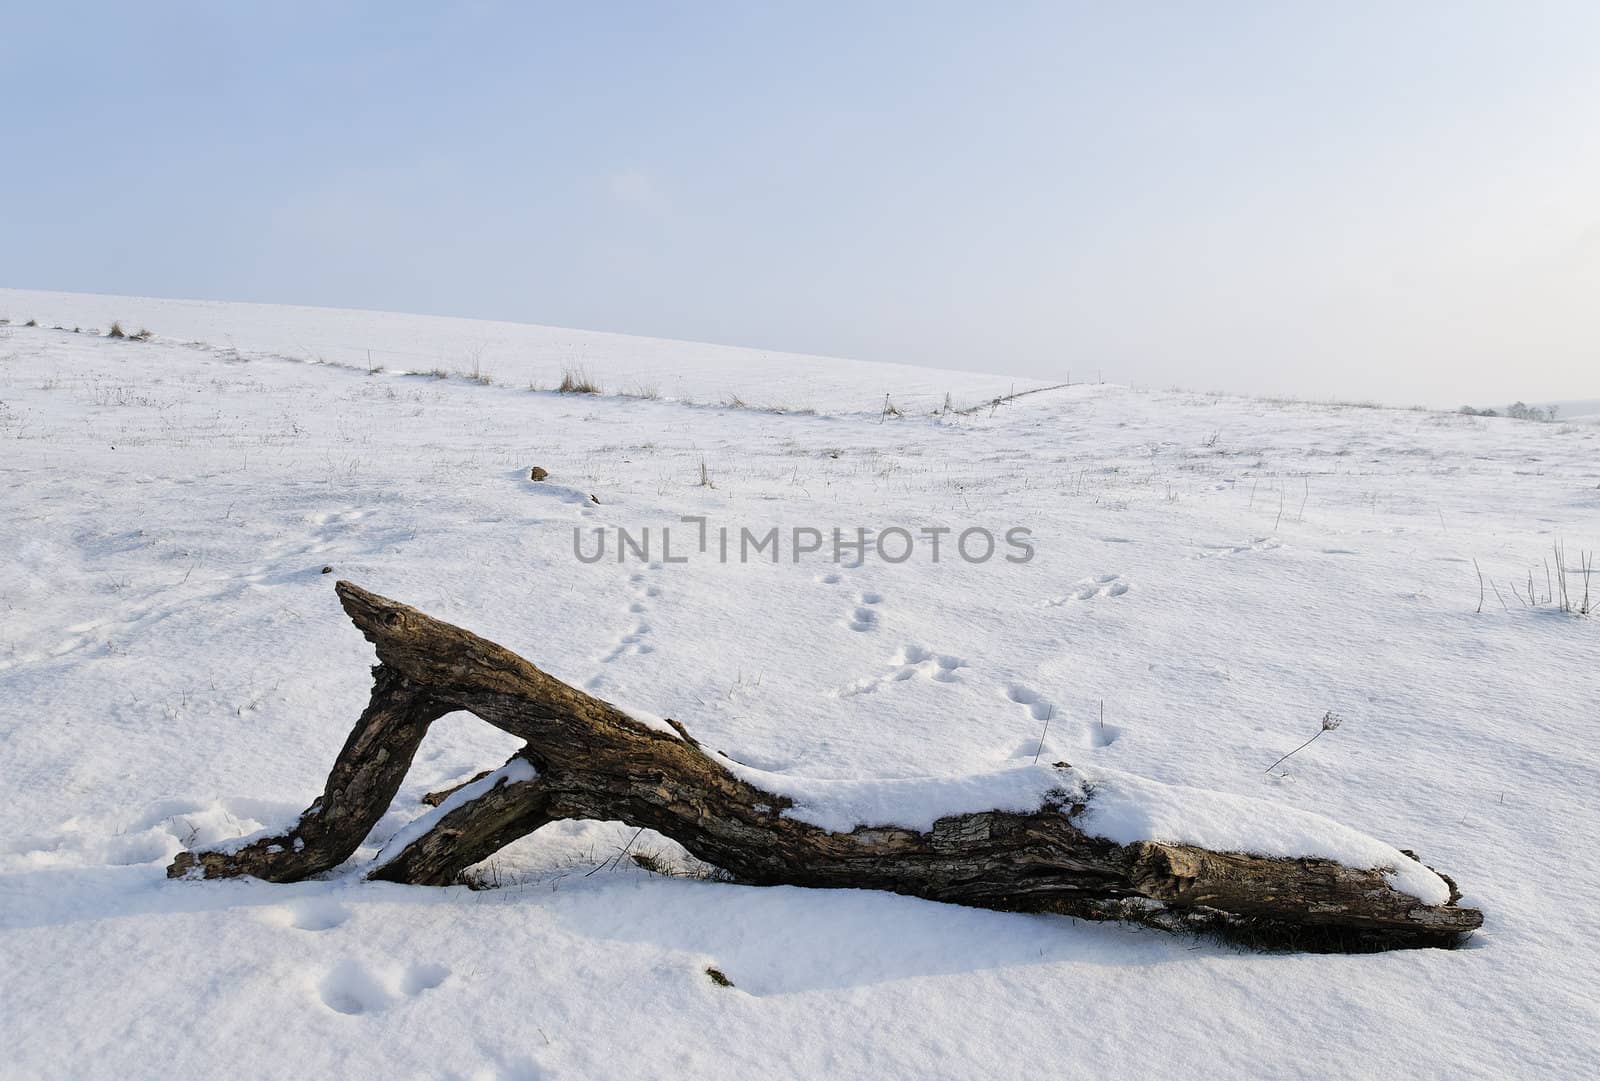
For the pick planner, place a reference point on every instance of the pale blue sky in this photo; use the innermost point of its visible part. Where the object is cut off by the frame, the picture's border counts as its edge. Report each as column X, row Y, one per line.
column 1399, row 201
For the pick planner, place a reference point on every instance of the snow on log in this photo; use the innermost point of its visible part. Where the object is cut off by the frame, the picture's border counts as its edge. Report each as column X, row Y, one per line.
column 1097, row 843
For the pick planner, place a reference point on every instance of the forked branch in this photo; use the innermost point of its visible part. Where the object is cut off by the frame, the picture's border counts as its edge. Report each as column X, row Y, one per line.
column 586, row 759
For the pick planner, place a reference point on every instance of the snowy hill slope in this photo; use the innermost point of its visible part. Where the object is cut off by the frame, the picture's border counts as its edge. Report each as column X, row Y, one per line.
column 517, row 354
column 1219, row 572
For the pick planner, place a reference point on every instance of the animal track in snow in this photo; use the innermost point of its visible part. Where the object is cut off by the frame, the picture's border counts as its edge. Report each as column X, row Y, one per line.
column 863, row 617
column 313, row 914
column 350, row 989
column 1257, row 544
column 937, row 666
column 634, row 640
column 130, row 618
column 910, row 662
column 1097, row 734
column 1092, row 735
column 353, row 989
column 423, row 977
column 298, row 558
column 1041, row 708
column 1088, row 589
column 1047, row 747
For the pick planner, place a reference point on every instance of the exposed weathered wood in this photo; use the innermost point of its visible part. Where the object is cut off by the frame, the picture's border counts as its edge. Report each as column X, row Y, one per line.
column 363, row 781
column 467, row 834
column 433, row 799
column 595, row 762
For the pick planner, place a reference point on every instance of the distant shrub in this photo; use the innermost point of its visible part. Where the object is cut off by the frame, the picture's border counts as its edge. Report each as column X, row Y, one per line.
column 1522, row 411
column 1517, row 411
column 116, row 331
column 577, row 381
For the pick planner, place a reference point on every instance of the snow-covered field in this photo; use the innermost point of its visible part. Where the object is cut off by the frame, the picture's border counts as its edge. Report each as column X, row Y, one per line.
column 1218, row 572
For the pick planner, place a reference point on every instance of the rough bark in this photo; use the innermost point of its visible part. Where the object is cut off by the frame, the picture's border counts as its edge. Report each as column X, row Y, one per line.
column 363, row 781
column 595, row 762
column 469, row 833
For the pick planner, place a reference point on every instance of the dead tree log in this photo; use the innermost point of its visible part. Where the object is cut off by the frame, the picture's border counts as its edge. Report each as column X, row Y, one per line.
column 586, row 759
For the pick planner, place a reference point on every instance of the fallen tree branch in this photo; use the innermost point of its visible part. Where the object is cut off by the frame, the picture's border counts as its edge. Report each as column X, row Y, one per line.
column 586, row 759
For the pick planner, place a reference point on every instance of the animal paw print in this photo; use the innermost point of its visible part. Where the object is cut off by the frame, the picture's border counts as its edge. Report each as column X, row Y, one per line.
column 940, row 667
column 353, row 989
column 1099, row 734
column 1093, row 735
column 634, row 641
column 1038, row 706
column 909, row 663
column 1257, row 544
column 312, row 914
column 1088, row 589
column 864, row 617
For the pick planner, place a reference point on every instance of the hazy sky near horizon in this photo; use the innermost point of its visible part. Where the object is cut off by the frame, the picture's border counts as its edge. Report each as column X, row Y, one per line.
column 1390, row 201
